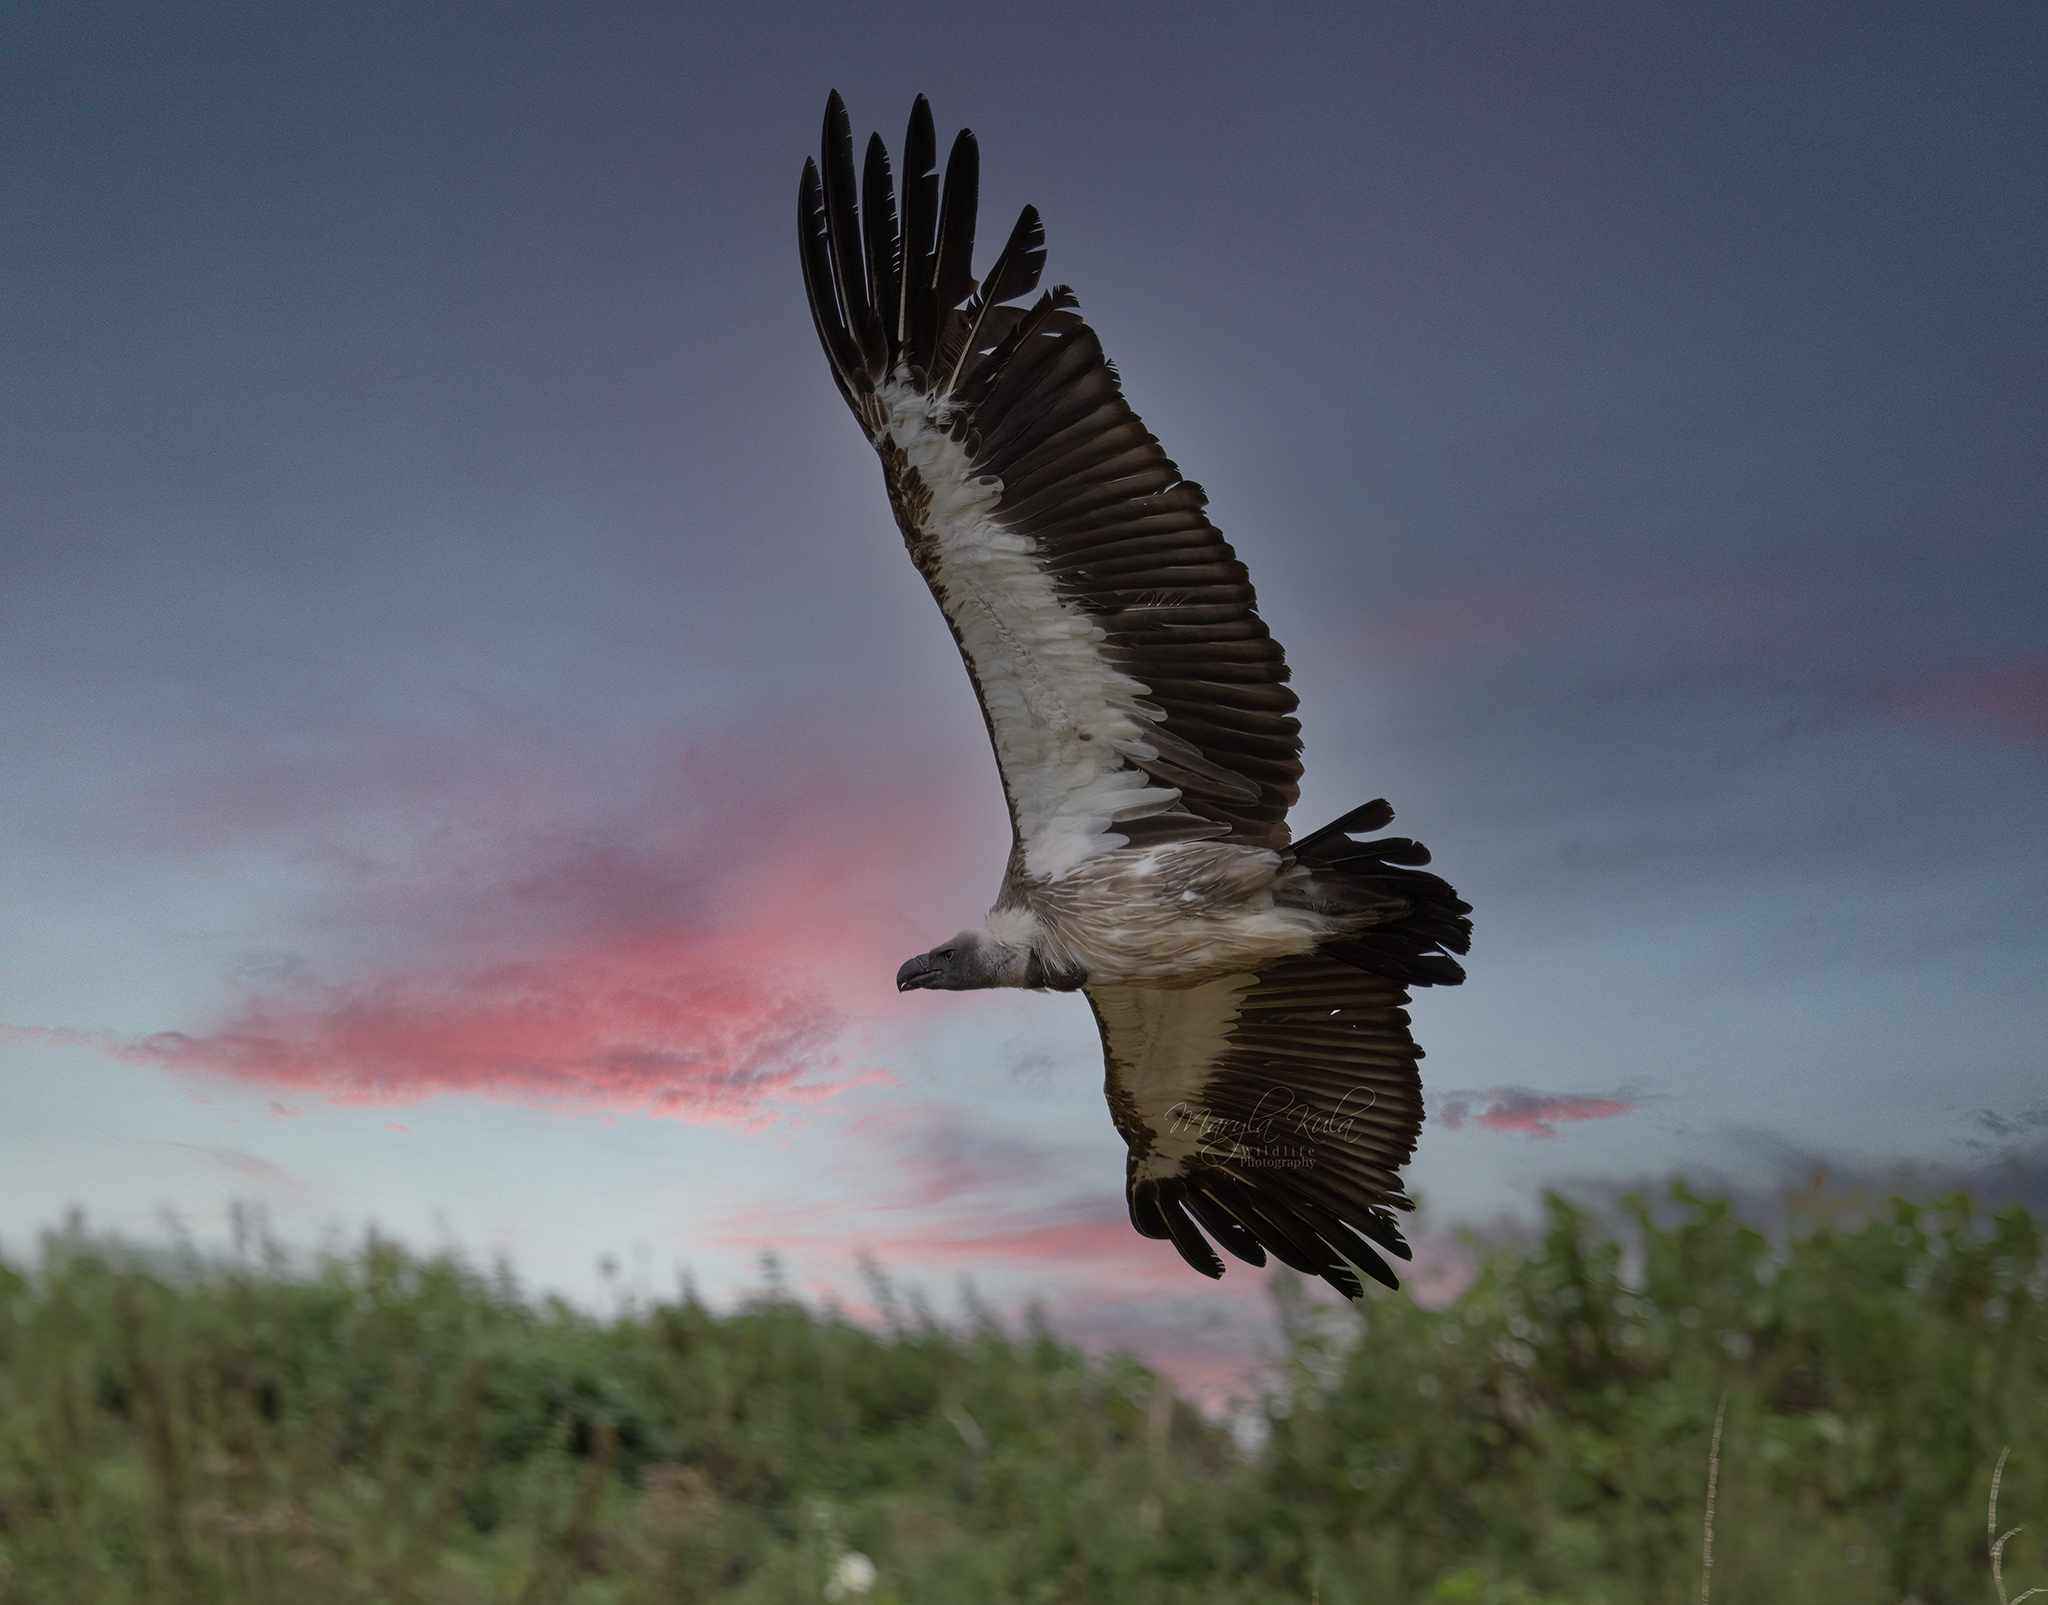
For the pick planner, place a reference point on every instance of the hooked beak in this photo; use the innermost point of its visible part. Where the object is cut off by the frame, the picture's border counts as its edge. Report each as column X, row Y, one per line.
column 919, row 972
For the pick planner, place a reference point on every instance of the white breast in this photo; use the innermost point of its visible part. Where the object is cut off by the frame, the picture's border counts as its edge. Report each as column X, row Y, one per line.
column 1171, row 915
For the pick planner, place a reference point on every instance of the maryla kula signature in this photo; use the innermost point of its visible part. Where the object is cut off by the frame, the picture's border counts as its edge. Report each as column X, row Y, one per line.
column 1248, row 1138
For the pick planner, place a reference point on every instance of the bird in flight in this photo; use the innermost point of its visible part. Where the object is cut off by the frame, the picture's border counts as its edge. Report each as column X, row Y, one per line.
column 1248, row 986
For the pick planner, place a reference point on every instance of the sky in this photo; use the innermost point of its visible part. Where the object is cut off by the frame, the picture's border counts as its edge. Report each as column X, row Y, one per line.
column 478, row 754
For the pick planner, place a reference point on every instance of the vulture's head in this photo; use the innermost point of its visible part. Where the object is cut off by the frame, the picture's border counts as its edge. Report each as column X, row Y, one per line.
column 971, row 961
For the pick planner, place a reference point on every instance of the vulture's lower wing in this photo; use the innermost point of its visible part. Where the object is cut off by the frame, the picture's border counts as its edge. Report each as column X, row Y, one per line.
column 1270, row 1110
column 1133, row 695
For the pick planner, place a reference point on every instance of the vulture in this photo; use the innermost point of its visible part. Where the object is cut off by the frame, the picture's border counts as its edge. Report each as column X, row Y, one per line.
column 1249, row 985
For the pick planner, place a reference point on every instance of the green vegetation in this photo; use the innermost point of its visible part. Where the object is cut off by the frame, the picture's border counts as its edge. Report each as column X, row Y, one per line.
column 390, row 1428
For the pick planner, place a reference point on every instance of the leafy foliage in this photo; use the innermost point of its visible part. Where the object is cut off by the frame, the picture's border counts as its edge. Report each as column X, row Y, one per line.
column 1551, row 1427
column 392, row 1428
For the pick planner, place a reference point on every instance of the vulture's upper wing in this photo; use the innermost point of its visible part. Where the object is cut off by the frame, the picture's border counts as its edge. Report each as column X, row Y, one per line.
column 1132, row 693
column 1271, row 1109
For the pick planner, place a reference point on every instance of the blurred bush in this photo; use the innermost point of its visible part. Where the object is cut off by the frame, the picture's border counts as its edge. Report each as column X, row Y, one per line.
column 1549, row 1429
column 386, row 1427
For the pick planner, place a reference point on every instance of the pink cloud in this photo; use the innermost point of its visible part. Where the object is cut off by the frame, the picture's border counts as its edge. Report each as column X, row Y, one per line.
column 662, row 1031
column 1086, row 1243
column 1538, row 1114
column 693, row 949
column 1085, row 1232
column 2011, row 697
column 1097, row 1242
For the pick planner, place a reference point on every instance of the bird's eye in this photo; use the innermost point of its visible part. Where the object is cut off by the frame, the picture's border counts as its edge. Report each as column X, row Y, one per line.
column 942, row 953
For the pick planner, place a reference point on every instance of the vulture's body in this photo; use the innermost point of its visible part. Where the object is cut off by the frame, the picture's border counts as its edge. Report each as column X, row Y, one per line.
column 1248, row 987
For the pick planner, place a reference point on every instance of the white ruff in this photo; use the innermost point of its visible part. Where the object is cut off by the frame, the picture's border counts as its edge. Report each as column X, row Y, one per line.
column 1058, row 712
column 1167, row 1042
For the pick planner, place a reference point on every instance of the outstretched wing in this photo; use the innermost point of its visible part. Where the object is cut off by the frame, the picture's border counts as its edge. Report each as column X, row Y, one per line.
column 1271, row 1110
column 1133, row 695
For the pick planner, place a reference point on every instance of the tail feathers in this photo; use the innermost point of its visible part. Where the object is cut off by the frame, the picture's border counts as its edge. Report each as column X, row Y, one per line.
column 1422, row 920
column 1368, row 817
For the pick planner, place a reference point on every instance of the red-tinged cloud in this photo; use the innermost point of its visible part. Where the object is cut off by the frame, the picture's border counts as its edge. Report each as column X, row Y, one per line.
column 2010, row 697
column 658, row 1032
column 696, row 951
column 1072, row 1246
column 1537, row 1114
column 1094, row 1243
column 1075, row 1236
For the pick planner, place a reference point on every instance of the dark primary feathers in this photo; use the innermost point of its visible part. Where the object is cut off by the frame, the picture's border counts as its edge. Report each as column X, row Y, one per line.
column 1038, row 406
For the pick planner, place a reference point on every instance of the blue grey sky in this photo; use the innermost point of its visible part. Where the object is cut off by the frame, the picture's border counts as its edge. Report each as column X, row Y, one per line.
column 478, row 753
